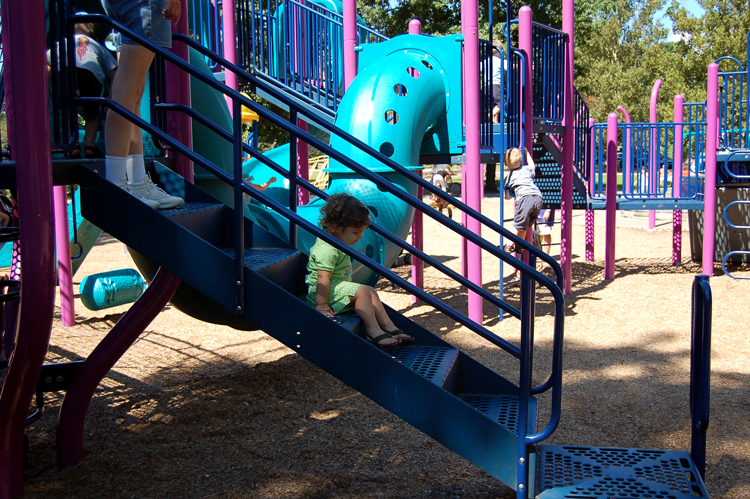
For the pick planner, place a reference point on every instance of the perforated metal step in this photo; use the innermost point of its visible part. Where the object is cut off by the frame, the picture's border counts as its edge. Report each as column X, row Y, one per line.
column 502, row 409
column 605, row 473
column 433, row 363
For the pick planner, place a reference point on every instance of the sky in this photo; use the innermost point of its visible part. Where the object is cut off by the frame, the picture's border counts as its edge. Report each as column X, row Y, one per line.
column 692, row 7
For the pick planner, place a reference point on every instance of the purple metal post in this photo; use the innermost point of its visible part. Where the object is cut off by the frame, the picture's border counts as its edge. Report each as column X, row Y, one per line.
column 27, row 112
column 303, row 163
column 350, row 41
column 626, row 166
column 526, row 45
column 64, row 264
column 178, row 91
column 473, row 185
column 230, row 45
column 590, row 221
column 566, row 208
column 709, row 186
column 677, row 181
column 609, row 251
column 78, row 397
column 652, row 169
column 417, row 225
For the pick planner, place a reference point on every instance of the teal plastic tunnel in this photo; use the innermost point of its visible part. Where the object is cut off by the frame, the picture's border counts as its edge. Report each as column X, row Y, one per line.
column 110, row 289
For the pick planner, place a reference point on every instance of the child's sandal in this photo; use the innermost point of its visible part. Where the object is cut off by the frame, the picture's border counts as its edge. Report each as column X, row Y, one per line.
column 404, row 339
column 376, row 341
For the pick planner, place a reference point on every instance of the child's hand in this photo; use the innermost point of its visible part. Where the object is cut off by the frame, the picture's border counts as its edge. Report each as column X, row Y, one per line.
column 173, row 11
column 325, row 310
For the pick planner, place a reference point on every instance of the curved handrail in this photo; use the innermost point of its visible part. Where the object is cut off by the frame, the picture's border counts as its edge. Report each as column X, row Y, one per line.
column 726, row 216
column 725, row 166
column 529, row 272
column 729, row 58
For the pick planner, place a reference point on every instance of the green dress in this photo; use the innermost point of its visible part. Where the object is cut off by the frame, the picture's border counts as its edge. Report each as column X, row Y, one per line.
column 324, row 256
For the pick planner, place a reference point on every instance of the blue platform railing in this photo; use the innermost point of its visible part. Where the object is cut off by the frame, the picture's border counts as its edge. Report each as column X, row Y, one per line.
column 581, row 159
column 548, row 72
column 647, row 172
column 205, row 24
column 694, row 113
column 530, row 276
column 297, row 43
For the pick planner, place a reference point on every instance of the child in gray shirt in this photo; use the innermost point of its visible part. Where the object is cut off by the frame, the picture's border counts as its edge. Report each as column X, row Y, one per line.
column 520, row 182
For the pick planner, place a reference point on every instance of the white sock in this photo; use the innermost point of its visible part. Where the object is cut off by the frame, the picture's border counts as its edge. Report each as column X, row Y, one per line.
column 139, row 167
column 116, row 167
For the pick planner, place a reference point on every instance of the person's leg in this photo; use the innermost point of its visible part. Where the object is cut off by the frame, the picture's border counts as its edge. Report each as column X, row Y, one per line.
column 547, row 243
column 365, row 310
column 90, row 129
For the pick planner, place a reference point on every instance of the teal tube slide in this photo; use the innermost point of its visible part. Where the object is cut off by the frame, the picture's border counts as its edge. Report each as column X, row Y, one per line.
column 391, row 105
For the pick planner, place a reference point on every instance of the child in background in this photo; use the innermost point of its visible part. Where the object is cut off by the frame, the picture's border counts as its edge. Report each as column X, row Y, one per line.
column 330, row 287
column 547, row 219
column 520, row 182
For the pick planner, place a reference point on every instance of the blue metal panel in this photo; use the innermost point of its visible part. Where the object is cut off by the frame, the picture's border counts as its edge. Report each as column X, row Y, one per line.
column 604, row 473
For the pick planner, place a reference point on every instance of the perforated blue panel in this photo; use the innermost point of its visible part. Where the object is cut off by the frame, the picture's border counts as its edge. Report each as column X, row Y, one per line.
column 602, row 473
column 432, row 363
column 502, row 409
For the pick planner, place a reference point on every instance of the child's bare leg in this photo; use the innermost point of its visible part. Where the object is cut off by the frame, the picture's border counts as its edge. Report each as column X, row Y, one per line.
column 90, row 129
column 383, row 319
column 365, row 309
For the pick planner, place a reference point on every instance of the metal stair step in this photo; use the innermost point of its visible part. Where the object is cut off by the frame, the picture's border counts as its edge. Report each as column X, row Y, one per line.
column 283, row 266
column 431, row 362
column 502, row 409
column 575, row 472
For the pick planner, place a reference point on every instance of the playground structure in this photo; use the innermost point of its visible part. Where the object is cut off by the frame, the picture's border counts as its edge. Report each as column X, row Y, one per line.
column 253, row 252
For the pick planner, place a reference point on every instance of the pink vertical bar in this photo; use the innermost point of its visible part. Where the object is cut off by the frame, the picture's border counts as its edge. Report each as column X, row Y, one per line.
column 609, row 252
column 652, row 168
column 27, row 112
column 626, row 147
column 473, row 185
column 180, row 125
column 590, row 215
column 64, row 265
column 350, row 42
column 525, row 44
column 230, row 45
column 417, row 236
column 566, row 208
column 303, row 163
column 709, row 187
column 677, row 181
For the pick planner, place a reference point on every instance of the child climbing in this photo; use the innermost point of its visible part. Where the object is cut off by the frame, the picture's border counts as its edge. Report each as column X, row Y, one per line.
column 330, row 287
column 520, row 182
column 441, row 179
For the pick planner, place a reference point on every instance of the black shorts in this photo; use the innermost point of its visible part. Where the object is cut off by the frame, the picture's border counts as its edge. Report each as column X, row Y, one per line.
column 527, row 211
column 497, row 94
column 88, row 86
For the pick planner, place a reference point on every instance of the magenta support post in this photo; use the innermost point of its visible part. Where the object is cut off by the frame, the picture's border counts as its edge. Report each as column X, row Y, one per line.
column 473, row 175
column 27, row 112
column 590, row 218
column 64, row 264
column 417, row 265
column 566, row 211
column 303, row 163
column 677, row 181
column 652, row 168
column 525, row 44
column 230, row 46
column 626, row 148
column 709, row 187
column 350, row 42
column 609, row 252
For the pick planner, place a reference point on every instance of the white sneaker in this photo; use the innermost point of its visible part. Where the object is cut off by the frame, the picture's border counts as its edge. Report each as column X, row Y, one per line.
column 147, row 190
column 127, row 187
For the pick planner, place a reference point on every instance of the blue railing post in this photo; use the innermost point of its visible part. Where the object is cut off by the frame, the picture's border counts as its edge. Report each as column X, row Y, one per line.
column 700, row 370
column 239, row 212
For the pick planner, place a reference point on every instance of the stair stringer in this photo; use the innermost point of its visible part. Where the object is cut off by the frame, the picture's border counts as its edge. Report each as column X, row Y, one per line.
column 280, row 313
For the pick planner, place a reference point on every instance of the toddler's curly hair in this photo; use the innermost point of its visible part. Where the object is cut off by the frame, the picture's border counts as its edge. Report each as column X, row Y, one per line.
column 343, row 210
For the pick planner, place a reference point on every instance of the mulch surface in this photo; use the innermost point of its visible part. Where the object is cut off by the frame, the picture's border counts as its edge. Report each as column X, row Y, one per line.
column 197, row 410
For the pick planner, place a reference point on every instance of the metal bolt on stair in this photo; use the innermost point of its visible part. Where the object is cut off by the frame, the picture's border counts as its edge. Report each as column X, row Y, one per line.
column 520, row 486
column 522, row 460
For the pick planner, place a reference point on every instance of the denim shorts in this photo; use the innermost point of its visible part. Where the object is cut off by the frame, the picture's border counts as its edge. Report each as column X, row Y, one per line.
column 143, row 17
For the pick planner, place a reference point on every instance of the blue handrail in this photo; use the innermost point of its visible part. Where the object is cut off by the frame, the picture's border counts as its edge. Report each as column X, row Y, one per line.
column 205, row 24
column 581, row 154
column 736, row 252
column 700, row 370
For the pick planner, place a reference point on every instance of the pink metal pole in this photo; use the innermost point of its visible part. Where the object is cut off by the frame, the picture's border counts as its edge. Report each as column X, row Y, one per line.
column 473, row 185
column 652, row 168
column 64, row 264
column 566, row 210
column 590, row 218
column 303, row 163
column 525, row 44
column 178, row 91
column 677, row 181
column 27, row 113
column 417, row 225
column 709, row 187
column 230, row 45
column 350, row 41
column 626, row 174
column 609, row 251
